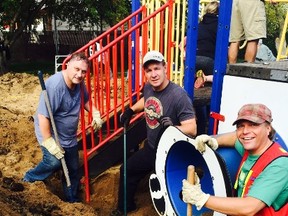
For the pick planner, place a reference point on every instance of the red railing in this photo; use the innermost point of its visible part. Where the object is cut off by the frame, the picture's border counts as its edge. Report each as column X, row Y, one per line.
column 110, row 81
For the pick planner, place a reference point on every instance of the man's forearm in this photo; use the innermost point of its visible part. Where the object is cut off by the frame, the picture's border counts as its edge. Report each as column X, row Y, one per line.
column 226, row 139
column 188, row 127
column 45, row 127
column 138, row 106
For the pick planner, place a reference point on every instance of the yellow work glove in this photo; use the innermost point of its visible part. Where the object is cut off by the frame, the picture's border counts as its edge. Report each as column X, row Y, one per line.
column 202, row 140
column 96, row 120
column 193, row 194
column 53, row 148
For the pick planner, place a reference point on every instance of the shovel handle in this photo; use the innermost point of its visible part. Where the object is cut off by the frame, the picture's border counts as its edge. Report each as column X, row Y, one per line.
column 47, row 102
column 40, row 76
column 190, row 179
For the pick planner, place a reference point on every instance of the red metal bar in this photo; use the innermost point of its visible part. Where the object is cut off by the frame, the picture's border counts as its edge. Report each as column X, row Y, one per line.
column 100, row 81
column 217, row 117
column 121, row 23
column 170, row 29
column 162, row 24
column 85, row 155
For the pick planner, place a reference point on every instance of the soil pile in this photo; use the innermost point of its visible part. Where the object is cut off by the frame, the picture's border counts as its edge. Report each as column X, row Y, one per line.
column 19, row 151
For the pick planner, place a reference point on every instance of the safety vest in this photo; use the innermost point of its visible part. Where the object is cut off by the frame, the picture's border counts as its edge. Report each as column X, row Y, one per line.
column 273, row 152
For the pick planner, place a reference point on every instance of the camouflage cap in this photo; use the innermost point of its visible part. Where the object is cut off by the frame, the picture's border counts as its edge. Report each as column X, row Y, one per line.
column 257, row 113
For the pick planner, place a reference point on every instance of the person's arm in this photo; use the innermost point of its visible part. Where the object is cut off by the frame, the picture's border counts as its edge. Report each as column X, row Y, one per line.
column 96, row 117
column 226, row 139
column 194, row 195
column 48, row 141
column 45, row 126
column 188, row 127
column 87, row 108
column 138, row 106
column 234, row 205
column 126, row 116
column 182, row 45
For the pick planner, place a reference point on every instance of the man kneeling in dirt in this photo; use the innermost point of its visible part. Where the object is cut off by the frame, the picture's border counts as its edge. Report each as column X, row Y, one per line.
column 64, row 92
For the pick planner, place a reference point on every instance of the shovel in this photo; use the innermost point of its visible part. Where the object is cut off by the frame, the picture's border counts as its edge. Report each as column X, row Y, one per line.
column 63, row 162
column 190, row 178
column 125, row 168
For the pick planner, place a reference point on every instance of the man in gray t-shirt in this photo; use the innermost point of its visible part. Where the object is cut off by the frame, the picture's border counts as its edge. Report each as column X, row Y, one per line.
column 64, row 91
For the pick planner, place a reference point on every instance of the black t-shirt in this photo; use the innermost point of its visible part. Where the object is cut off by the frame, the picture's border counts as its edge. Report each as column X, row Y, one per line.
column 173, row 101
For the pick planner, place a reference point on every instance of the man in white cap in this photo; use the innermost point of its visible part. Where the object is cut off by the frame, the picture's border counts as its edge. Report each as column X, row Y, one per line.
column 261, row 184
column 164, row 104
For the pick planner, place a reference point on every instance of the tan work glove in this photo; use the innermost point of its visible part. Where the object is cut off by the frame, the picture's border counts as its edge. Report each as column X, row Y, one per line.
column 96, row 120
column 204, row 139
column 193, row 194
column 53, row 148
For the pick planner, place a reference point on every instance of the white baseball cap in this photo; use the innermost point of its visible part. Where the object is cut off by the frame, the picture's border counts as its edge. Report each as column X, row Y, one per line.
column 153, row 56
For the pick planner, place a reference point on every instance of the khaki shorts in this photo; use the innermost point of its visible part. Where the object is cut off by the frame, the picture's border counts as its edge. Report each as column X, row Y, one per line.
column 248, row 20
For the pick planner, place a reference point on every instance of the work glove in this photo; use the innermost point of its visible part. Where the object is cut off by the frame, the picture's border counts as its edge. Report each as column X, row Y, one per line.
column 165, row 121
column 193, row 194
column 53, row 148
column 204, row 139
column 126, row 117
column 96, row 120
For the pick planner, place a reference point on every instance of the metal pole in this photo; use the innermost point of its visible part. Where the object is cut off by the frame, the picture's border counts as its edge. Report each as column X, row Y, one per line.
column 125, row 169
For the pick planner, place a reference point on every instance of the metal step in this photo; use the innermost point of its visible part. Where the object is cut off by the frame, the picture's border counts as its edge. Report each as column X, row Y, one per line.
column 112, row 153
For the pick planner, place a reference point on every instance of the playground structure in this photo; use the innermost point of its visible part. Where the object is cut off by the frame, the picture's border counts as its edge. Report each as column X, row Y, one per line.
column 158, row 25
column 121, row 47
column 176, row 150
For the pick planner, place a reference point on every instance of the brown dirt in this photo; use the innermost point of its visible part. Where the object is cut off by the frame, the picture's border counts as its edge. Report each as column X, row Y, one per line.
column 19, row 151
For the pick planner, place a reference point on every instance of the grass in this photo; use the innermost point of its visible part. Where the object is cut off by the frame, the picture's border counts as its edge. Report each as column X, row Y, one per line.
column 33, row 67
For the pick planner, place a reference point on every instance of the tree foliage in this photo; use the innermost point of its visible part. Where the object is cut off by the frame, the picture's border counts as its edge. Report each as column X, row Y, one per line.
column 275, row 20
column 20, row 15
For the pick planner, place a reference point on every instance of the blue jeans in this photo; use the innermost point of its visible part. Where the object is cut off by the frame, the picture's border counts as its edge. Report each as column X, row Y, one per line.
column 51, row 164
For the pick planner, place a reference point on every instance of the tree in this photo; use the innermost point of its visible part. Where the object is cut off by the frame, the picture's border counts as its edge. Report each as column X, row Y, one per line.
column 94, row 12
column 18, row 16
column 275, row 20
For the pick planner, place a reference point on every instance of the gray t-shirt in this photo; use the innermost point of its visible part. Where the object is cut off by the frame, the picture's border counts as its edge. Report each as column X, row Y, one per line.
column 65, row 106
column 173, row 101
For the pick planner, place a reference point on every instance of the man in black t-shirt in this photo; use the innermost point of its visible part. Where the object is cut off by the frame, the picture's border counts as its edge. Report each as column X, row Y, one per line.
column 164, row 104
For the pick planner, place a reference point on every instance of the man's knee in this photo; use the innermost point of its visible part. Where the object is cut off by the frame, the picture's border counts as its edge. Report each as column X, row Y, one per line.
column 52, row 161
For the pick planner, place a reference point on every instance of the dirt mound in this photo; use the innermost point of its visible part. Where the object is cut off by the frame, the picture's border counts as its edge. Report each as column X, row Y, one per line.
column 19, row 151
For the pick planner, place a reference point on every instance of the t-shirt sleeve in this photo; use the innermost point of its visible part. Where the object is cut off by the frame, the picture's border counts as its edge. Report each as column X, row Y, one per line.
column 86, row 95
column 185, row 108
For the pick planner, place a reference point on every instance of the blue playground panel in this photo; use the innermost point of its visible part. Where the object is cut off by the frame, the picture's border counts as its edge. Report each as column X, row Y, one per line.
column 181, row 155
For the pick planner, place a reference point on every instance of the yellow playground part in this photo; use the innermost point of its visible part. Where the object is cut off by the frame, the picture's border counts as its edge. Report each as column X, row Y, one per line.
column 179, row 24
column 281, row 45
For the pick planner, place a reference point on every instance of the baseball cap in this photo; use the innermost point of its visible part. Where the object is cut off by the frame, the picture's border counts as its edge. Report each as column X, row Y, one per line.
column 257, row 113
column 153, row 56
